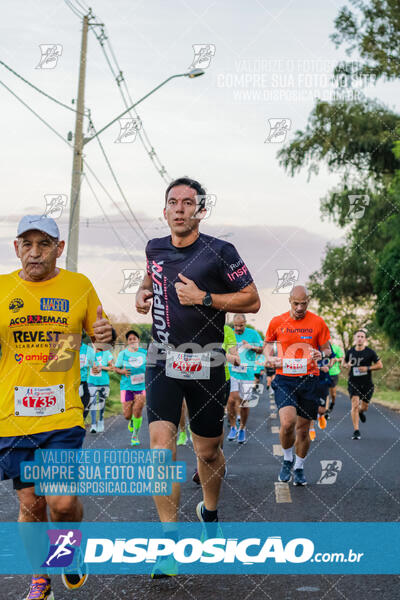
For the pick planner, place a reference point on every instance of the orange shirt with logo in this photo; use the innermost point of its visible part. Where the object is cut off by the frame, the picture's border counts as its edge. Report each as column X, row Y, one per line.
column 295, row 339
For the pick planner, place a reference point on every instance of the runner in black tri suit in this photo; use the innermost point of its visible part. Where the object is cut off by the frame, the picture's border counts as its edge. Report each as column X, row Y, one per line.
column 193, row 280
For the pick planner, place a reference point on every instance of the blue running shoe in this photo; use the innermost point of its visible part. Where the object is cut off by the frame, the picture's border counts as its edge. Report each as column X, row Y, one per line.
column 242, row 436
column 285, row 474
column 298, row 477
column 232, row 434
column 166, row 566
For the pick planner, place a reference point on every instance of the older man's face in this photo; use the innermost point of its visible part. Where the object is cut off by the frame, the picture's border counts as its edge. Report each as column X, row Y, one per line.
column 38, row 254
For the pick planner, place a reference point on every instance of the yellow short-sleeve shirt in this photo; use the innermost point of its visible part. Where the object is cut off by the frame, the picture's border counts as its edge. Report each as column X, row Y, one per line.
column 40, row 333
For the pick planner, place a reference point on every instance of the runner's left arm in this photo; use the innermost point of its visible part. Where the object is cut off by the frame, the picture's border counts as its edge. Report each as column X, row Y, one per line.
column 376, row 364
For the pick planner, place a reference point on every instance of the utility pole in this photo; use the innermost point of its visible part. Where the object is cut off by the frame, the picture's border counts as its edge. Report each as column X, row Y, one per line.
column 74, row 209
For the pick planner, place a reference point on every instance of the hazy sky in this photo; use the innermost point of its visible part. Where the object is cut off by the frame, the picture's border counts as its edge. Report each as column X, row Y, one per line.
column 272, row 59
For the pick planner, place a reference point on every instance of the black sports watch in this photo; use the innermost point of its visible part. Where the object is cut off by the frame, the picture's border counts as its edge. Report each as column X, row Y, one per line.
column 207, row 300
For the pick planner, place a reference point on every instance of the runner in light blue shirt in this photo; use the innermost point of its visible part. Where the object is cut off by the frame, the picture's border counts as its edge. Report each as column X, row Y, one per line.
column 131, row 365
column 249, row 344
column 100, row 364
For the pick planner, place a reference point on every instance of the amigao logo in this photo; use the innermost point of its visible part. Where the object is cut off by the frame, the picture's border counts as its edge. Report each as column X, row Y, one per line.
column 63, row 543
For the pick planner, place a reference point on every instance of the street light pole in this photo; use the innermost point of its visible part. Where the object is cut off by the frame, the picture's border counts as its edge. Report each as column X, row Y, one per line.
column 74, row 208
column 190, row 74
column 80, row 142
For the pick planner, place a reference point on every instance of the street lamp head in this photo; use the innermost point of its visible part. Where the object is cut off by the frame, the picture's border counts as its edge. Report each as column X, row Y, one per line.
column 194, row 73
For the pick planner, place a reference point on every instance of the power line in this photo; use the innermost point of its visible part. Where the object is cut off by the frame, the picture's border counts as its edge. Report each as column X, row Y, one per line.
column 119, row 78
column 144, row 138
column 70, row 145
column 118, row 184
column 109, row 196
column 73, row 8
column 36, row 115
column 109, row 221
column 84, row 8
column 40, row 90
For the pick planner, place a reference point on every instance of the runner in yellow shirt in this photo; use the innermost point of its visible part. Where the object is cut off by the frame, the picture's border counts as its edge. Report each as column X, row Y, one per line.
column 43, row 310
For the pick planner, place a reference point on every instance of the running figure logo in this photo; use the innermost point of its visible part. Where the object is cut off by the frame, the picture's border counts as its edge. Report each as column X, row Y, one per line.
column 203, row 54
column 55, row 204
column 286, row 280
column 330, row 471
column 278, row 129
column 63, row 543
column 358, row 204
column 204, row 205
column 132, row 280
column 128, row 130
column 50, row 55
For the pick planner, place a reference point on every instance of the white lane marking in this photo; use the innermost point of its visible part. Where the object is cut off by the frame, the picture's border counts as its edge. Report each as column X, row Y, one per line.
column 277, row 450
column 282, row 492
column 275, row 429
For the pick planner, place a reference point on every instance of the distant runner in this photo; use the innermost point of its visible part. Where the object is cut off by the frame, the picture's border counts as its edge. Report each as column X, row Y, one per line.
column 250, row 344
column 361, row 360
column 131, row 364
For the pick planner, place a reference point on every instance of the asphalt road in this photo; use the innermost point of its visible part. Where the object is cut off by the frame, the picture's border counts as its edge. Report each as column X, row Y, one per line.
column 367, row 488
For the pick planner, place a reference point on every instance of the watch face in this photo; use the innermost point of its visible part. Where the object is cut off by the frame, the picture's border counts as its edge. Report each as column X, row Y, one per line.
column 207, row 300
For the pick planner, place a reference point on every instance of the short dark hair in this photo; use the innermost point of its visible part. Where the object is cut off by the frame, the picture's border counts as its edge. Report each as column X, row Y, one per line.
column 361, row 331
column 192, row 183
column 128, row 333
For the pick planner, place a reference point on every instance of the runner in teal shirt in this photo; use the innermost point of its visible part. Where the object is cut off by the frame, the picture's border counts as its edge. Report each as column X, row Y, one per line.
column 99, row 387
column 131, row 365
column 249, row 344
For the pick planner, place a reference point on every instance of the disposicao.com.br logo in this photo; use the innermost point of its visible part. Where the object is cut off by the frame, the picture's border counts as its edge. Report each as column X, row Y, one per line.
column 213, row 548
column 248, row 551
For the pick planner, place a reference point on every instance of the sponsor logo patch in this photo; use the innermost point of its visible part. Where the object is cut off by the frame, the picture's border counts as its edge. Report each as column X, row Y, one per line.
column 59, row 304
column 16, row 304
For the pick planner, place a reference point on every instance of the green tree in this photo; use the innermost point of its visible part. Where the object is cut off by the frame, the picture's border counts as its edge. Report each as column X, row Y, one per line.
column 373, row 29
column 355, row 138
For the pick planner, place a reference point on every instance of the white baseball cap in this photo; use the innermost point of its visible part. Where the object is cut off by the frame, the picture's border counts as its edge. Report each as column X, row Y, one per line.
column 40, row 223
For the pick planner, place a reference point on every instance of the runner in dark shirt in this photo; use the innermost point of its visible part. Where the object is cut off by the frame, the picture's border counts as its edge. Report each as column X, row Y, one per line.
column 361, row 360
column 193, row 280
column 214, row 265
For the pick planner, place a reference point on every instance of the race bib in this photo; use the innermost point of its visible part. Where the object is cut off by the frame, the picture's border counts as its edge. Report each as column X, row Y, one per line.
column 136, row 379
column 39, row 401
column 239, row 369
column 358, row 373
column 294, row 366
column 187, row 366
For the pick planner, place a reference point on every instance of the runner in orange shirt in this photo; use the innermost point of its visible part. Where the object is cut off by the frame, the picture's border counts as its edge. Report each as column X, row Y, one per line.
column 302, row 339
